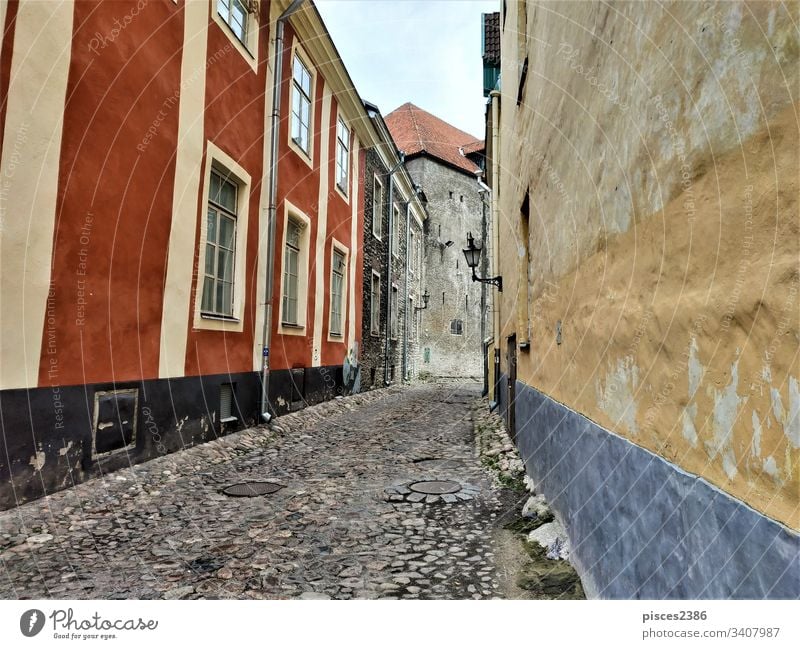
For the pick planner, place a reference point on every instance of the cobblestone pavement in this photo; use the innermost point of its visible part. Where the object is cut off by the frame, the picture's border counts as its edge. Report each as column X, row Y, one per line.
column 344, row 525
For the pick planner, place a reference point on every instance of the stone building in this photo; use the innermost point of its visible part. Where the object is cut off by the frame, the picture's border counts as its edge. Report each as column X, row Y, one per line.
column 645, row 166
column 446, row 164
column 391, row 237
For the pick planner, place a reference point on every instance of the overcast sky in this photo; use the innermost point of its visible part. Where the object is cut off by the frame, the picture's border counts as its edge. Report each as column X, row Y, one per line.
column 427, row 52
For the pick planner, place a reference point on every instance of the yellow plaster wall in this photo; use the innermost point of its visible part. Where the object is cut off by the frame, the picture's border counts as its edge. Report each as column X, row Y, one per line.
column 659, row 146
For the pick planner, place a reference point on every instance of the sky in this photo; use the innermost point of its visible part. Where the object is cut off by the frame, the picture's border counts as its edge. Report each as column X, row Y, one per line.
column 427, row 52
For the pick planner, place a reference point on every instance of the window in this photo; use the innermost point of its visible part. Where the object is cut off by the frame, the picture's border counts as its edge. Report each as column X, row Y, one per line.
column 301, row 104
column 375, row 304
column 291, row 273
column 395, row 308
column 456, row 327
column 377, row 208
column 342, row 154
column 220, row 247
column 410, row 256
column 235, row 14
column 396, row 232
column 337, row 292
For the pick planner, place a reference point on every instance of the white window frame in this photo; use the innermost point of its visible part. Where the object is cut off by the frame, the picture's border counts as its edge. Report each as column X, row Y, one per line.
column 342, row 184
column 412, row 244
column 292, row 212
column 249, row 45
column 394, row 325
column 379, row 206
column 340, row 248
column 375, row 305
column 396, row 231
column 299, row 53
column 219, row 160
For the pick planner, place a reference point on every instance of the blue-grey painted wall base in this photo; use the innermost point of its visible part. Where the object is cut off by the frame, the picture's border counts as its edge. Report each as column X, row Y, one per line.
column 641, row 527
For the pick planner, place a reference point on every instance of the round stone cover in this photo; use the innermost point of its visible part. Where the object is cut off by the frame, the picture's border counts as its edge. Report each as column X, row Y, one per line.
column 435, row 487
column 250, row 489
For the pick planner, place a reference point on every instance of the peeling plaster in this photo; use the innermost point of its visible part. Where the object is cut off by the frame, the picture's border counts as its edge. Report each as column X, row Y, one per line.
column 695, row 370
column 37, row 461
column 689, row 431
column 756, row 446
column 792, row 428
column 771, row 467
column 616, row 399
column 726, row 407
column 777, row 405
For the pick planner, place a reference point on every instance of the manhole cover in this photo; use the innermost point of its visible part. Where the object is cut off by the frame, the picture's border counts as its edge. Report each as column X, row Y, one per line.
column 250, row 489
column 435, row 487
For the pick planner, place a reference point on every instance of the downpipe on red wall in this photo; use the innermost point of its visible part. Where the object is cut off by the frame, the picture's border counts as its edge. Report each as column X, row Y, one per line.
column 273, row 206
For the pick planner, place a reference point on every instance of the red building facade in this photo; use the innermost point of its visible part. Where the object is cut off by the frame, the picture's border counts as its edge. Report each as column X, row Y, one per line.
column 135, row 196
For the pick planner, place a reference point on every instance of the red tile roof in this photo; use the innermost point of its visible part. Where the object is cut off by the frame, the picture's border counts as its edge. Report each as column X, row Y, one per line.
column 416, row 131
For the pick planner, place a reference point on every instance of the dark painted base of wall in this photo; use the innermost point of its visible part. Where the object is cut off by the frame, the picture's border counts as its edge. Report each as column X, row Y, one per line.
column 640, row 527
column 47, row 433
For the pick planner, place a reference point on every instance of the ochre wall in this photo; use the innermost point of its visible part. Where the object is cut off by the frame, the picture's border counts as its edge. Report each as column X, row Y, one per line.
column 659, row 146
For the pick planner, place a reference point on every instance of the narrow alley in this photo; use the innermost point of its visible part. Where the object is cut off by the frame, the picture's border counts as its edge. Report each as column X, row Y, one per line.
column 343, row 525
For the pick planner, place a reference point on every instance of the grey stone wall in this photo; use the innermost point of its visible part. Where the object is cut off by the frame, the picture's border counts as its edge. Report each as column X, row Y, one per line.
column 375, row 258
column 454, row 208
column 639, row 526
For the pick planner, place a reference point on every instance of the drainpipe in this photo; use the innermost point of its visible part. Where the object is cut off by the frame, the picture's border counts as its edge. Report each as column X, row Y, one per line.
column 405, row 296
column 272, row 213
column 387, row 345
column 485, row 194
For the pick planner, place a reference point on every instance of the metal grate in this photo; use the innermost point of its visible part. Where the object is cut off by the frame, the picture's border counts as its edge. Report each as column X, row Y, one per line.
column 226, row 402
column 251, row 489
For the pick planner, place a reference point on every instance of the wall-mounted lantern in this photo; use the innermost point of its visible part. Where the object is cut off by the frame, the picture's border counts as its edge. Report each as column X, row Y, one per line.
column 425, row 297
column 473, row 255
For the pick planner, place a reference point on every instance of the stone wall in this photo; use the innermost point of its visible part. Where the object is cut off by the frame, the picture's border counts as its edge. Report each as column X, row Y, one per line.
column 375, row 258
column 657, row 146
column 454, row 208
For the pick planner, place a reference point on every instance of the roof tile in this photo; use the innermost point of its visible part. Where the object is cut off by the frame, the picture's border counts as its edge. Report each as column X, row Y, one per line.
column 417, row 131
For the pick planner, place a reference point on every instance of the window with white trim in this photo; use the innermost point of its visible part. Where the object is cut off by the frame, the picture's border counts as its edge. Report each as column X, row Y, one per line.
column 301, row 104
column 411, row 248
column 220, row 246
column 395, row 308
column 339, row 265
column 291, row 273
column 342, row 154
column 235, row 14
column 377, row 208
column 375, row 304
column 396, row 232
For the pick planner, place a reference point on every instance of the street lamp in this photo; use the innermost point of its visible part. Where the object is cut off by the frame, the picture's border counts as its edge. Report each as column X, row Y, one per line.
column 425, row 297
column 473, row 255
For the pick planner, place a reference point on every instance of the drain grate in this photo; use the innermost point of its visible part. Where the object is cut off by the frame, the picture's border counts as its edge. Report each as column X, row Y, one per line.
column 251, row 489
column 435, row 487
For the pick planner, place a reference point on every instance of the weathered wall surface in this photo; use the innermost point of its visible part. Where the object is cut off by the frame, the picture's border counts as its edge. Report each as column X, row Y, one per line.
column 454, row 208
column 658, row 145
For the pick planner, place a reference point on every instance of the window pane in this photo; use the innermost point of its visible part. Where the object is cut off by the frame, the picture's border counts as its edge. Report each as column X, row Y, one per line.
column 225, row 265
column 226, row 290
column 227, row 232
column 209, row 259
column 211, row 234
column 207, row 303
column 213, row 190
column 227, row 195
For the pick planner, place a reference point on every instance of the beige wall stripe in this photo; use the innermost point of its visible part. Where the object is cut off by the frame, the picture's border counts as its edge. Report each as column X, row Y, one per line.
column 322, row 226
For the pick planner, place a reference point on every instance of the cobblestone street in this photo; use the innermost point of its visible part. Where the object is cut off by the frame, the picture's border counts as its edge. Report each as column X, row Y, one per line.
column 344, row 524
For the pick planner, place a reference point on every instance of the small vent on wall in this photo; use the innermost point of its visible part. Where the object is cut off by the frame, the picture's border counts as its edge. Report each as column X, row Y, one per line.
column 226, row 403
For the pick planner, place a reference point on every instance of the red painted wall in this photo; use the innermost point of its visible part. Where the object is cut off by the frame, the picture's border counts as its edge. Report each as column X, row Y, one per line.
column 114, row 201
column 299, row 184
column 234, row 122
